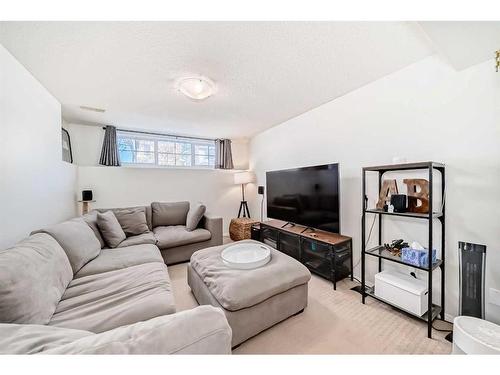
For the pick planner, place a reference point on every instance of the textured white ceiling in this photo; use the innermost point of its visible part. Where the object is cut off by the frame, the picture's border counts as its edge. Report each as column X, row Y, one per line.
column 464, row 44
column 266, row 72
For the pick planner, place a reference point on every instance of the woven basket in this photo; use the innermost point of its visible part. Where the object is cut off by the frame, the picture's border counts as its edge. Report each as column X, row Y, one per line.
column 240, row 229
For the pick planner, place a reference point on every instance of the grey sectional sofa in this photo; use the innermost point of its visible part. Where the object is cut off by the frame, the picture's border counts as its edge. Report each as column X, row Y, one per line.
column 169, row 233
column 62, row 292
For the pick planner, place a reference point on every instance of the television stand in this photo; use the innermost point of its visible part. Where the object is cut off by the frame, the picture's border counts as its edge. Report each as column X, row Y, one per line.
column 324, row 253
column 308, row 228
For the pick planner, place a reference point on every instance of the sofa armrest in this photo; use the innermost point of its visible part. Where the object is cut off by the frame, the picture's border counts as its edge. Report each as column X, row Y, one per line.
column 36, row 338
column 202, row 330
column 214, row 226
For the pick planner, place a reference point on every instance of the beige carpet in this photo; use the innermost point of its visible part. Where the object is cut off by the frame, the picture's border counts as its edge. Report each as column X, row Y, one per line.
column 335, row 322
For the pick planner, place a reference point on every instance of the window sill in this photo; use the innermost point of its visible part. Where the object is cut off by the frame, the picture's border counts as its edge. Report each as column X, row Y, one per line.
column 138, row 166
column 237, row 169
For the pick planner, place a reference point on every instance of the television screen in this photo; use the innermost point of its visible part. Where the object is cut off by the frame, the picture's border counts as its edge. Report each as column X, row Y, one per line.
column 307, row 196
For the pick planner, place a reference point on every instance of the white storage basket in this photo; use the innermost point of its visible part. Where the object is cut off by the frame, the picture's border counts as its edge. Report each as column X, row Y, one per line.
column 402, row 290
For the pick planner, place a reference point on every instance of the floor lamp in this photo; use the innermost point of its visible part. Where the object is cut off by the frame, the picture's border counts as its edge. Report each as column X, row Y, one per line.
column 243, row 178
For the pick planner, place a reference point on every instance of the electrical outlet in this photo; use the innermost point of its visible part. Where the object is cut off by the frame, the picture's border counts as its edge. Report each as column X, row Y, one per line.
column 494, row 296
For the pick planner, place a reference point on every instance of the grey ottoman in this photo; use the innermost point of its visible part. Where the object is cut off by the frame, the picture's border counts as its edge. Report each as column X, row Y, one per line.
column 253, row 300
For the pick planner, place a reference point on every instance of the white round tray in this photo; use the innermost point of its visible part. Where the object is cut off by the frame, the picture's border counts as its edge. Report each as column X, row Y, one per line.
column 246, row 256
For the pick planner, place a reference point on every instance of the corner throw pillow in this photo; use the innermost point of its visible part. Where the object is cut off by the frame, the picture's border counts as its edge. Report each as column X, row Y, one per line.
column 133, row 221
column 110, row 228
column 194, row 216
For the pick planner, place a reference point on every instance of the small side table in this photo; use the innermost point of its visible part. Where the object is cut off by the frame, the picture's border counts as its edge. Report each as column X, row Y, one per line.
column 240, row 228
column 85, row 206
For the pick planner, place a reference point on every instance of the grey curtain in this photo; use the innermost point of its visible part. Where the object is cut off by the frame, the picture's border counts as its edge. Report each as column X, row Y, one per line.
column 223, row 154
column 109, row 152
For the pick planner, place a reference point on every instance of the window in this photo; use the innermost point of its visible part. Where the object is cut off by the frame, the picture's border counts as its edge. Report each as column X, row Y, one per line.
column 165, row 151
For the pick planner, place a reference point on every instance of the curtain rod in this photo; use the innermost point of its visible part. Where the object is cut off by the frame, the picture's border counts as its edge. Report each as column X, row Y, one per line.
column 162, row 134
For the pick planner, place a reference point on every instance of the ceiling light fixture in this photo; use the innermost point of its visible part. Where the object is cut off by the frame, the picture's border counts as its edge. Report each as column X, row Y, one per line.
column 196, row 88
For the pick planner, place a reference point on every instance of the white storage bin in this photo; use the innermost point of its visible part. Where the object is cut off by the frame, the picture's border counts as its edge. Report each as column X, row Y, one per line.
column 402, row 290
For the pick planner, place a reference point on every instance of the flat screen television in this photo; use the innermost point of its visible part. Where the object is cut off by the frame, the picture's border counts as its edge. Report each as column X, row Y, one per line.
column 307, row 196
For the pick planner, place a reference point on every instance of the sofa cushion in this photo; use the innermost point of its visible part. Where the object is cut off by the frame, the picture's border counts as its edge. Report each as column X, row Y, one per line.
column 133, row 221
column 178, row 235
column 147, row 210
column 33, row 277
column 36, row 338
column 104, row 301
column 91, row 220
column 77, row 239
column 110, row 228
column 169, row 213
column 194, row 216
column 115, row 259
column 236, row 289
column 141, row 239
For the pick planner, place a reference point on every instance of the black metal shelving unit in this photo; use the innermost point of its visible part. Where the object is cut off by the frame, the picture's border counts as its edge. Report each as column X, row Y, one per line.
column 384, row 255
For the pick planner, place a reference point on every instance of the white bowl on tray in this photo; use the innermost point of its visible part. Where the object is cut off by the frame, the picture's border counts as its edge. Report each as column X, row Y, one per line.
column 246, row 256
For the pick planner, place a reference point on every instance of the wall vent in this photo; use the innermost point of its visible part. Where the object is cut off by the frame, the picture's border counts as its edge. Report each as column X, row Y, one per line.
column 84, row 107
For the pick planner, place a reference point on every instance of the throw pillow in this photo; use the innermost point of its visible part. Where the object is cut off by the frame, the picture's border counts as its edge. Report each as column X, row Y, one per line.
column 110, row 228
column 77, row 240
column 91, row 220
column 34, row 275
column 194, row 216
column 169, row 213
column 133, row 221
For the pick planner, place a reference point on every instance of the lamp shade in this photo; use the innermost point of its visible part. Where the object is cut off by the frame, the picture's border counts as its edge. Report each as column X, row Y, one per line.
column 244, row 177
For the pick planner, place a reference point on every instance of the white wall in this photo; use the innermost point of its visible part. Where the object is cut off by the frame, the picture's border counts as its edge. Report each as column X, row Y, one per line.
column 86, row 143
column 36, row 187
column 123, row 186
column 427, row 111
column 118, row 187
